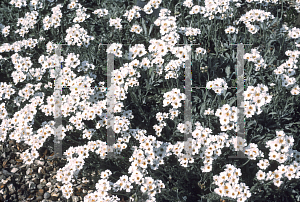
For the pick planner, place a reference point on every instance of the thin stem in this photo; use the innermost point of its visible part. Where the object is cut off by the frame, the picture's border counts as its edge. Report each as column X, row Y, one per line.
column 244, row 163
column 281, row 10
column 113, row 193
column 30, row 74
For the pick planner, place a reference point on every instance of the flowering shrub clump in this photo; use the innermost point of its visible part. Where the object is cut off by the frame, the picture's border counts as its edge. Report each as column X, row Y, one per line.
column 151, row 45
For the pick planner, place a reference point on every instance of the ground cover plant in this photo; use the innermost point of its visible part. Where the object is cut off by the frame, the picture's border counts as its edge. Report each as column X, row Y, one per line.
column 149, row 81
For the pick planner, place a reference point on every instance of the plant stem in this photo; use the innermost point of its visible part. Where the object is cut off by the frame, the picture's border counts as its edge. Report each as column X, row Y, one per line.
column 244, row 163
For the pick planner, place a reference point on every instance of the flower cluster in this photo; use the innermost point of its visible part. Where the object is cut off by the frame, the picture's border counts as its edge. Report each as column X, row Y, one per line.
column 160, row 116
column 158, row 128
column 238, row 143
column 231, row 30
column 212, row 8
column 152, row 3
column 172, row 68
column 21, row 65
column 85, row 66
column 255, row 57
column 281, row 151
column 173, row 113
column 24, row 132
column 115, row 48
column 203, row 69
column 49, row 85
column 16, row 46
column 189, row 31
column 200, row 51
column 35, row 4
column 136, row 29
column 145, row 64
column 26, row 92
column 5, row 31
column 182, row 53
column 263, row 164
column 294, row 33
column 228, row 117
column 167, row 27
column 140, row 160
column 137, row 50
column 18, row 3
column 188, row 3
column 164, row 12
column 158, row 50
column 122, row 184
column 6, row 90
column 208, row 146
column 3, row 111
column 55, row 18
column 132, row 13
column 116, row 23
column 253, row 152
column 72, row 61
column 209, row 111
column 28, row 22
column 76, row 163
column 47, row 63
column 218, row 85
column 229, row 186
column 252, row 16
column 287, row 69
column 80, row 14
column 280, row 147
column 195, row 10
column 100, row 12
column 50, row 47
column 78, row 35
column 72, row 4
column 255, row 98
column 173, row 97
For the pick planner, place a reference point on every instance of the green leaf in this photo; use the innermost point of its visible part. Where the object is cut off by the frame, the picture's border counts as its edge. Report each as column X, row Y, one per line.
column 150, row 30
column 228, row 93
column 202, row 108
column 187, row 17
column 232, row 101
column 273, row 22
column 144, row 26
column 251, row 123
column 227, row 55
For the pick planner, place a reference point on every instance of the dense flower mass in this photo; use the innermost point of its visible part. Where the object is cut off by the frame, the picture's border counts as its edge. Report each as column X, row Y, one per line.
column 163, row 61
column 218, row 85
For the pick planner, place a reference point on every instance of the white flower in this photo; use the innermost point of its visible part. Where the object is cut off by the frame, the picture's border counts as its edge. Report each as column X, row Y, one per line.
column 200, row 50
column 5, row 31
column 195, row 10
column 206, row 168
column 209, row 85
column 260, row 175
column 188, row 3
column 277, row 182
column 263, row 164
column 224, row 120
